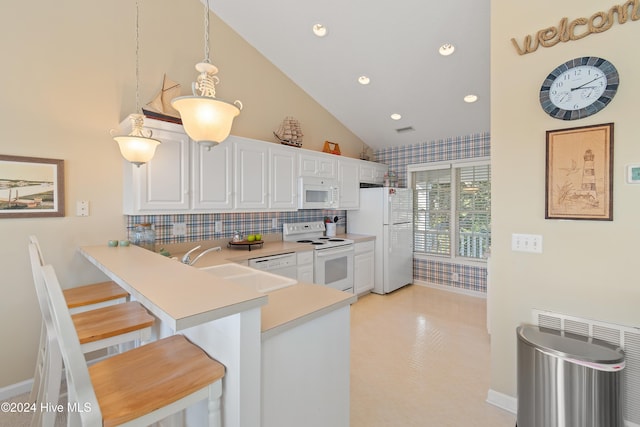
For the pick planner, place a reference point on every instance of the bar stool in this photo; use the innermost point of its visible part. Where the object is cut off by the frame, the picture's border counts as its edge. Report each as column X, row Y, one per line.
column 97, row 329
column 134, row 388
column 88, row 297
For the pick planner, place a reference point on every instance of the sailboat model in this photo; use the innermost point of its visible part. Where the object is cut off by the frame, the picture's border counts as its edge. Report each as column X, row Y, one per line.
column 160, row 107
column 289, row 132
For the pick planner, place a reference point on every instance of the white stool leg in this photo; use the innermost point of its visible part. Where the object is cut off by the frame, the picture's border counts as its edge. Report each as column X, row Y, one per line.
column 215, row 417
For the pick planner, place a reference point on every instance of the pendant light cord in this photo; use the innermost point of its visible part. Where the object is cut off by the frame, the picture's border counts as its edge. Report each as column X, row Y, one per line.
column 137, row 58
column 206, row 32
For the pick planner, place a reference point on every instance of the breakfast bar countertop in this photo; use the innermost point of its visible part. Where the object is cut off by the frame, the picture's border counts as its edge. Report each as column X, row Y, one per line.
column 176, row 293
column 184, row 295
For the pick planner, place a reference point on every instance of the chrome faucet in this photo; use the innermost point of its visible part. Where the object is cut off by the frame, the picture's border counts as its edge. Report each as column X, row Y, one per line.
column 186, row 258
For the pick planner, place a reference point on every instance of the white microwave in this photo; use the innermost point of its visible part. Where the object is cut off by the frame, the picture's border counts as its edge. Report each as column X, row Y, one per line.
column 317, row 193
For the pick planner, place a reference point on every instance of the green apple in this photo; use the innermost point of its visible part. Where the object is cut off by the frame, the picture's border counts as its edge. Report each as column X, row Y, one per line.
column 258, row 237
column 251, row 238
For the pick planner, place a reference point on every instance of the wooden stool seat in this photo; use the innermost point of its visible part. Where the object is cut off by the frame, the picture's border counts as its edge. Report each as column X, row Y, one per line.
column 137, row 382
column 94, row 294
column 111, row 321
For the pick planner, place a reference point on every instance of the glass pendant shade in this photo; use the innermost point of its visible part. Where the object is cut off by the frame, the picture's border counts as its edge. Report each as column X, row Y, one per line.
column 137, row 147
column 206, row 120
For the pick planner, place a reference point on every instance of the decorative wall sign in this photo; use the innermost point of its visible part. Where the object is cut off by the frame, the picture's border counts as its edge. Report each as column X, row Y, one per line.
column 580, row 27
column 579, row 179
column 31, row 187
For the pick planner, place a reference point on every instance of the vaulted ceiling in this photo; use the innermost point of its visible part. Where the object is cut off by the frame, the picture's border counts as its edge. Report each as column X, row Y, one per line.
column 395, row 44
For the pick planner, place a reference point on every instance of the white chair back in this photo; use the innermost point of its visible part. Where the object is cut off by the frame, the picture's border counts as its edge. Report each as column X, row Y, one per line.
column 46, row 387
column 64, row 338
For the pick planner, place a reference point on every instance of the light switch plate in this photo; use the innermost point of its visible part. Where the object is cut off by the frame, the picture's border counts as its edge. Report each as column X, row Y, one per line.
column 526, row 243
column 82, row 208
column 217, row 227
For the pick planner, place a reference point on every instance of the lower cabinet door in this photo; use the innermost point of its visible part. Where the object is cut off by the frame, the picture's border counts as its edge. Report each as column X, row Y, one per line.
column 363, row 272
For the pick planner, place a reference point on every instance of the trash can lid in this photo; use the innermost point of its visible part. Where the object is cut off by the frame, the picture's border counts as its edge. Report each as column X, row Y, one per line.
column 571, row 346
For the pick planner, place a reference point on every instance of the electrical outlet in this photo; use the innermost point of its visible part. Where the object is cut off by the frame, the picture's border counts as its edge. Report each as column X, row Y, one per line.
column 455, row 277
column 82, row 208
column 274, row 223
column 179, row 229
column 526, row 243
column 217, row 227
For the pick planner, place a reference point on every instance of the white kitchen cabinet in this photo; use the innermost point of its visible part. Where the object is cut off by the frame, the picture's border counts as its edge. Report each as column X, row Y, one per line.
column 212, row 177
column 283, row 178
column 304, row 263
column 162, row 184
column 372, row 172
column 363, row 267
column 349, row 183
column 318, row 164
column 251, row 174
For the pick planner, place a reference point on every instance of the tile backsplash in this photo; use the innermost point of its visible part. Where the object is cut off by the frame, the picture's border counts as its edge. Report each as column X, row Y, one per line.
column 201, row 226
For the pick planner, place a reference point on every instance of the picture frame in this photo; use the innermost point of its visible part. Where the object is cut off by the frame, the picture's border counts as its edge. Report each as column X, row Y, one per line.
column 579, row 173
column 31, row 187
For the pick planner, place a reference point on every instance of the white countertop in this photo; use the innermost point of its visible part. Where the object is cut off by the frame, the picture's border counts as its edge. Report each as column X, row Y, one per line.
column 184, row 296
column 176, row 293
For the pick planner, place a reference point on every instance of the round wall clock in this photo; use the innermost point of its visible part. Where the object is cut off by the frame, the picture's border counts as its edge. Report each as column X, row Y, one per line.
column 579, row 88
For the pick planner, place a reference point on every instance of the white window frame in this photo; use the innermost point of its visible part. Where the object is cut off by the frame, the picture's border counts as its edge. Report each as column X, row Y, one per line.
column 453, row 165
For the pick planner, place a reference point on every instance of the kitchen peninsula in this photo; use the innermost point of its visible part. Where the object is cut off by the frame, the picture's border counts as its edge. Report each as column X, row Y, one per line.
column 286, row 351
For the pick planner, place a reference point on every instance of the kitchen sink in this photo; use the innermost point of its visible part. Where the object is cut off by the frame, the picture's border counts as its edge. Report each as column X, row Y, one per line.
column 257, row 280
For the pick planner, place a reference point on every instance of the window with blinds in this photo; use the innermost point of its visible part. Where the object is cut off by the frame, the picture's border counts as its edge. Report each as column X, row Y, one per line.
column 452, row 209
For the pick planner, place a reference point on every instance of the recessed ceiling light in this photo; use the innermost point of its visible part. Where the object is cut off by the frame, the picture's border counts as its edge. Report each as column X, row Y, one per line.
column 364, row 80
column 446, row 49
column 470, row 98
column 319, row 30
column 396, row 116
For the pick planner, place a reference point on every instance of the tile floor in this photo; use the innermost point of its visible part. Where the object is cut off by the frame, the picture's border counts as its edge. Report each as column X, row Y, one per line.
column 420, row 357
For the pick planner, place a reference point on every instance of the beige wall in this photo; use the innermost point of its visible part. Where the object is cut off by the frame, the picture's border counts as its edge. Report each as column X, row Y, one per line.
column 587, row 267
column 68, row 76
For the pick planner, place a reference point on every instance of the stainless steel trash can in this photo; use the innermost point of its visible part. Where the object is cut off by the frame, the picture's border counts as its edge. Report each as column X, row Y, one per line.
column 568, row 380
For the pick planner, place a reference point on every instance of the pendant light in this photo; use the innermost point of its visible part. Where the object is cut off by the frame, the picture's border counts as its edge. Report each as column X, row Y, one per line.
column 206, row 120
column 138, row 147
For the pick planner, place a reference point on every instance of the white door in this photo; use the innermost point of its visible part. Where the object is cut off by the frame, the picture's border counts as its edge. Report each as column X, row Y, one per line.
column 283, row 179
column 363, row 272
column 398, row 260
column 251, row 175
column 348, row 184
column 164, row 181
column 398, row 203
column 212, row 172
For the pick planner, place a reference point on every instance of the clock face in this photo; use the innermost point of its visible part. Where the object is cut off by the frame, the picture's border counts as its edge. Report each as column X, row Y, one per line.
column 579, row 88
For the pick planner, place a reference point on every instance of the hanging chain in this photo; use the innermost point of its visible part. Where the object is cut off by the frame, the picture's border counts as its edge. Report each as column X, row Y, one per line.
column 206, row 32
column 137, row 59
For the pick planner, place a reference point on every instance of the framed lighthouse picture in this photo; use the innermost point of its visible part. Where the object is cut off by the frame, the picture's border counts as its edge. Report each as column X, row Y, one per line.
column 579, row 173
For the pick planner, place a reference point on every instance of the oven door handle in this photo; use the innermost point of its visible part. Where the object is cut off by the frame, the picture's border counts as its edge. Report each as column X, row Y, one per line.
column 321, row 253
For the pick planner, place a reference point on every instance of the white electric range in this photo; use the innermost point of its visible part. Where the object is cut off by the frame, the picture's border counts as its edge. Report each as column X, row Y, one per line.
column 333, row 256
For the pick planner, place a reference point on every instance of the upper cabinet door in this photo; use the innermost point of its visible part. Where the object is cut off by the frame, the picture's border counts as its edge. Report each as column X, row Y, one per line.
column 283, row 179
column 162, row 184
column 321, row 165
column 349, row 183
column 212, row 177
column 372, row 172
column 251, row 183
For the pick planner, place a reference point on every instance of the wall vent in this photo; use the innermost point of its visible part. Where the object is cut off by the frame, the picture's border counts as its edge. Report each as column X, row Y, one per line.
column 405, row 129
column 628, row 338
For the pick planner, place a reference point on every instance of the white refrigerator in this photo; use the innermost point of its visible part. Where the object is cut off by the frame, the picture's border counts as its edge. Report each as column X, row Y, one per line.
column 387, row 213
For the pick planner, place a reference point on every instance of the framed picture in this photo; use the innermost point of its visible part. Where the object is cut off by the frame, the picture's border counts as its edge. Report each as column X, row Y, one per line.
column 31, row 187
column 579, row 180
